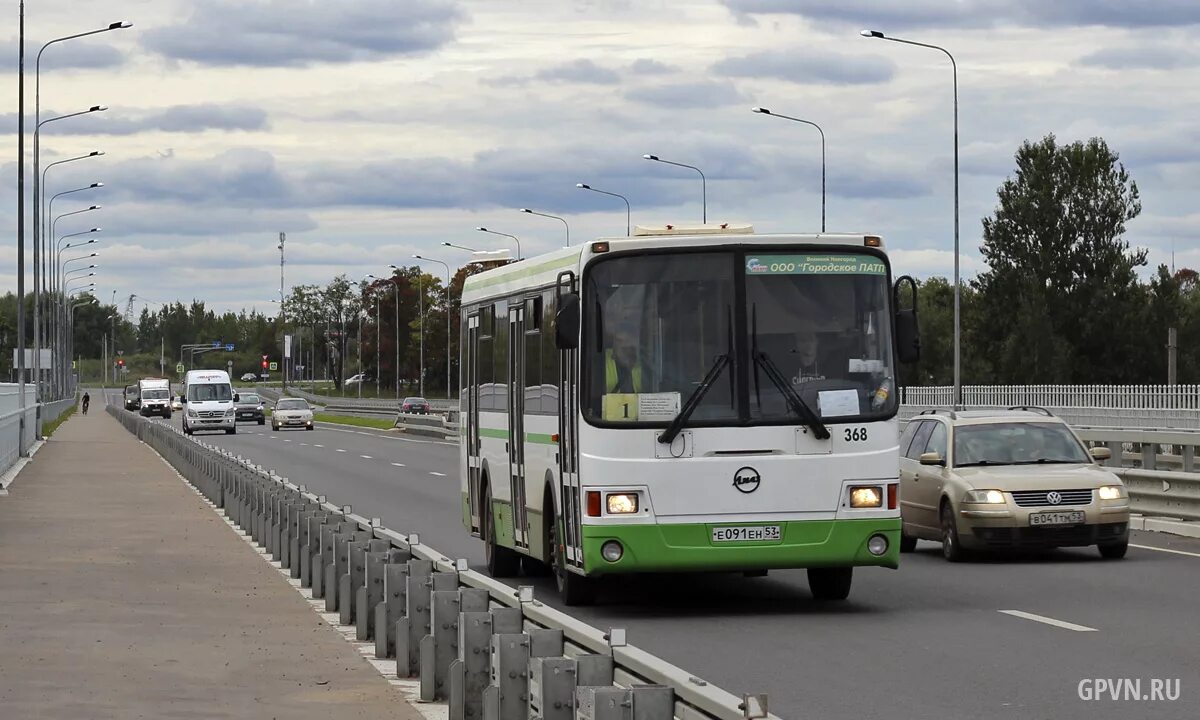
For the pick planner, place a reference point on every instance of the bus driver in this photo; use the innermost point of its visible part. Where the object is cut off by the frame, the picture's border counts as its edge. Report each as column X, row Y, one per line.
column 804, row 355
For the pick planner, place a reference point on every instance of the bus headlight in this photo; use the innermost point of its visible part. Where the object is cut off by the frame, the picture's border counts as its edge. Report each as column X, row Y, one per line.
column 612, row 551
column 984, row 497
column 1112, row 492
column 866, row 497
column 622, row 503
column 877, row 545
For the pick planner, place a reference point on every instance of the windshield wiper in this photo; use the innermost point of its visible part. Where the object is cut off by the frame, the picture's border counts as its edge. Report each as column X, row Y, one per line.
column 794, row 401
column 668, row 436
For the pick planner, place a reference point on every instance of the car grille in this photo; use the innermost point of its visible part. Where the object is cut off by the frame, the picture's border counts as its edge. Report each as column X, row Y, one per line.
column 1030, row 537
column 211, row 413
column 1040, row 498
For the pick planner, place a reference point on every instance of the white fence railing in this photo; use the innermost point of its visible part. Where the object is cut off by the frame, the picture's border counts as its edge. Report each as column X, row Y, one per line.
column 14, row 444
column 1118, row 406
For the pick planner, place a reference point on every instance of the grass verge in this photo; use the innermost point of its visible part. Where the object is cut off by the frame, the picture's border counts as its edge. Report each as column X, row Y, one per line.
column 49, row 428
column 377, row 423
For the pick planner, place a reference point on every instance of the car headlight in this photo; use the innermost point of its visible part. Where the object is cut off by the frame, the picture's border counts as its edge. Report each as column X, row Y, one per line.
column 985, row 497
column 229, row 412
column 260, row 407
column 1112, row 492
column 866, row 497
column 192, row 413
column 622, row 503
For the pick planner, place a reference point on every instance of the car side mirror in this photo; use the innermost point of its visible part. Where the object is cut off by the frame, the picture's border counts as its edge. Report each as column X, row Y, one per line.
column 566, row 322
column 932, row 458
column 1101, row 453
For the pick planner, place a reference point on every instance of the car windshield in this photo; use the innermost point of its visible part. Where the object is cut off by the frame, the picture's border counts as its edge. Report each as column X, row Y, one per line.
column 249, row 399
column 1016, row 443
column 156, row 394
column 656, row 325
column 294, row 404
column 414, row 400
column 220, row 392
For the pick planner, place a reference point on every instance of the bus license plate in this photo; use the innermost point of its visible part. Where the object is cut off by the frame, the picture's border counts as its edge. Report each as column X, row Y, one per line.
column 1075, row 517
column 743, row 533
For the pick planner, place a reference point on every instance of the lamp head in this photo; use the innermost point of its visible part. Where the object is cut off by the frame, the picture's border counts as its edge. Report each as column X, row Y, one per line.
column 526, row 210
column 650, row 157
column 761, row 110
column 98, row 108
column 122, row 25
column 870, row 33
column 482, row 229
column 95, row 153
column 393, row 267
column 583, row 186
column 96, row 185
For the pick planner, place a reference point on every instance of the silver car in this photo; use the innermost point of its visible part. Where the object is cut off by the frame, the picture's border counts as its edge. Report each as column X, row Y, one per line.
column 292, row 413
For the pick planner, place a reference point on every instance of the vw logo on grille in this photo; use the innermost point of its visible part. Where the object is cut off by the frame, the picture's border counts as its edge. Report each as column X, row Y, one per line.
column 1054, row 497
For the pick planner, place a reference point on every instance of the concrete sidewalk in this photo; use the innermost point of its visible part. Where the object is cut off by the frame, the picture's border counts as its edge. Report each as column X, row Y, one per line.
column 123, row 595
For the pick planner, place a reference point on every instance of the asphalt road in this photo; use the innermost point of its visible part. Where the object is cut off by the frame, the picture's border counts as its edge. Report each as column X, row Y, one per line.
column 930, row 640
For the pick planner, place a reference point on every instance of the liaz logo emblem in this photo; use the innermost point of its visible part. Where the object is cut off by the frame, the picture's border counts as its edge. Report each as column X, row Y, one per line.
column 1054, row 497
column 746, row 480
column 754, row 265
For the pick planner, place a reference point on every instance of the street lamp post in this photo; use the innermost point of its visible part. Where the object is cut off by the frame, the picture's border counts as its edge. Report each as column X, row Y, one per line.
column 516, row 239
column 55, row 320
column 957, row 399
column 585, row 186
column 766, row 111
column 547, row 215
column 50, row 210
column 377, row 343
column 421, row 313
column 703, row 182
column 439, row 262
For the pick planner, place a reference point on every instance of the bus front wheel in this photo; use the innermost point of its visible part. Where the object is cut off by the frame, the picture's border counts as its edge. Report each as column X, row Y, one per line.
column 830, row 583
column 574, row 589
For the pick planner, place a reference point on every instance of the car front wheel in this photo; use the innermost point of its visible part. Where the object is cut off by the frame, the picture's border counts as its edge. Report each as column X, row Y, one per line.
column 1114, row 551
column 952, row 550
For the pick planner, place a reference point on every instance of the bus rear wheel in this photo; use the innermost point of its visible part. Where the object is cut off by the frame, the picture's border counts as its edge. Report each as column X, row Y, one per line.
column 831, row 583
column 502, row 562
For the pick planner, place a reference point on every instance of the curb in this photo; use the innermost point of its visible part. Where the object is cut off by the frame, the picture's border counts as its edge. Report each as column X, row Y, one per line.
column 11, row 474
column 1182, row 528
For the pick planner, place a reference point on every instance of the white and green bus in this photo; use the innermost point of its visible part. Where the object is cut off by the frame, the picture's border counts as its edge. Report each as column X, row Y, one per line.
column 685, row 400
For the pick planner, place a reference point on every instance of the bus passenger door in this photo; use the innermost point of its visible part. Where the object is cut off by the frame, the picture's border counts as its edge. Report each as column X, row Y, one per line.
column 570, row 495
column 471, row 420
column 516, row 423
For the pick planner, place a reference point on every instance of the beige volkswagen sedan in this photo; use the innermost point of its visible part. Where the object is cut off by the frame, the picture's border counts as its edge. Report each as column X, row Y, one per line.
column 994, row 480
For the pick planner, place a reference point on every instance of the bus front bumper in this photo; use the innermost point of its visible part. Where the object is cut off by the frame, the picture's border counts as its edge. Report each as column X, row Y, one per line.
column 690, row 547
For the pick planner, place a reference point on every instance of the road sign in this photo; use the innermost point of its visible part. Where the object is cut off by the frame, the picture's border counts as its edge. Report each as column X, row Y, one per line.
column 216, row 343
column 274, row 366
column 287, row 346
column 180, row 369
column 229, row 347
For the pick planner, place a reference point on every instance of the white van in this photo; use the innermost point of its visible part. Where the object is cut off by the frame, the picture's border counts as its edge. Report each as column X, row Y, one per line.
column 208, row 402
column 155, row 397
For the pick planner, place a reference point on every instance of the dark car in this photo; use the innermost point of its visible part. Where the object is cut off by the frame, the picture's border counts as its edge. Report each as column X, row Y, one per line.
column 133, row 399
column 416, row 405
column 250, row 408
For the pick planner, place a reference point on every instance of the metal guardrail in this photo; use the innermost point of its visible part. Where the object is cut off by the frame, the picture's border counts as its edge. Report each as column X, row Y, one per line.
column 445, row 624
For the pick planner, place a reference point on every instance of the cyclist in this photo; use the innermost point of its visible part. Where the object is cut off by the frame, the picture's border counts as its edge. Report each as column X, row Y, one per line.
column 86, row 399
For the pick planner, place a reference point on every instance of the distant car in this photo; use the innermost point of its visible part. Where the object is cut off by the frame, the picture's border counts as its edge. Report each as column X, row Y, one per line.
column 249, row 377
column 133, row 400
column 356, row 379
column 176, row 403
column 250, row 408
column 416, row 405
column 292, row 413
column 1011, row 479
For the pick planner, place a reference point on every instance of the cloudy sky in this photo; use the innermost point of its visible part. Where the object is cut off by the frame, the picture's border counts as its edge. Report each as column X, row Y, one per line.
column 369, row 130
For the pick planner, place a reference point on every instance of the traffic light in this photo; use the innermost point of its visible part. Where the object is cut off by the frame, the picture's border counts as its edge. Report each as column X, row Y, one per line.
column 265, row 362
column 121, row 362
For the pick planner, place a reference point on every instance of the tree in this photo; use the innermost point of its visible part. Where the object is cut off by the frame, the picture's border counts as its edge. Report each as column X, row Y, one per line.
column 1060, row 301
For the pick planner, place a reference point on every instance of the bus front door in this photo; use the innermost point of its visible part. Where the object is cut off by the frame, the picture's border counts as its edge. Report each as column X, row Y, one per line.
column 471, row 431
column 516, row 423
column 570, row 495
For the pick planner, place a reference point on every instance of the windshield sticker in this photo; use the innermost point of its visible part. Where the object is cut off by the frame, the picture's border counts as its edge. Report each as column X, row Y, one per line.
column 641, row 407
column 837, row 403
column 815, row 265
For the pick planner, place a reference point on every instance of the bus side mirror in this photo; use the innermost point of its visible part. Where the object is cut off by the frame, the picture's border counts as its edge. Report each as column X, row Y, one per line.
column 908, row 332
column 566, row 322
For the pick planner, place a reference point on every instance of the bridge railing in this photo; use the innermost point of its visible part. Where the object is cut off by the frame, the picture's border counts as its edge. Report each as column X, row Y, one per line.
column 443, row 623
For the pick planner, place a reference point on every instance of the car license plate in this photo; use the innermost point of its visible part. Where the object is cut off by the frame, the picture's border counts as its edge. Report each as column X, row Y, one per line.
column 1074, row 517
column 743, row 533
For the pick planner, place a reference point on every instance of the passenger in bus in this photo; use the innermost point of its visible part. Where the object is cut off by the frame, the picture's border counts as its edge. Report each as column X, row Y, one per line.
column 623, row 370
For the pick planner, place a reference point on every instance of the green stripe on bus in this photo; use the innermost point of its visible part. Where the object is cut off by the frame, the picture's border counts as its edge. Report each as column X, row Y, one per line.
column 538, row 438
column 489, row 432
column 524, row 272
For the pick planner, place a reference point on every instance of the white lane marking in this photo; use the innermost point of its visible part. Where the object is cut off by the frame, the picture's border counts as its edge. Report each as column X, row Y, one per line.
column 1166, row 550
column 382, row 434
column 437, row 473
column 1048, row 621
column 287, row 440
column 366, row 457
column 304, row 443
column 340, row 450
column 318, row 445
column 398, row 464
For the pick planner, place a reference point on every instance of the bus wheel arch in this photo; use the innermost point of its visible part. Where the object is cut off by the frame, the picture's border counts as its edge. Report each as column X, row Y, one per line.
column 502, row 562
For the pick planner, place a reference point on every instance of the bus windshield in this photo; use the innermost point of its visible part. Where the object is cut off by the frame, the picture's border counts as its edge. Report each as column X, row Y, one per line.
column 209, row 392
column 817, row 323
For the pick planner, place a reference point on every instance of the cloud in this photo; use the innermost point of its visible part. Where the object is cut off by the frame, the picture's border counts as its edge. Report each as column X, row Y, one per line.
column 1141, row 58
column 980, row 13
column 809, row 66
column 74, row 55
column 648, row 66
column 291, row 33
column 238, row 177
column 579, row 71
column 176, row 119
column 688, row 95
